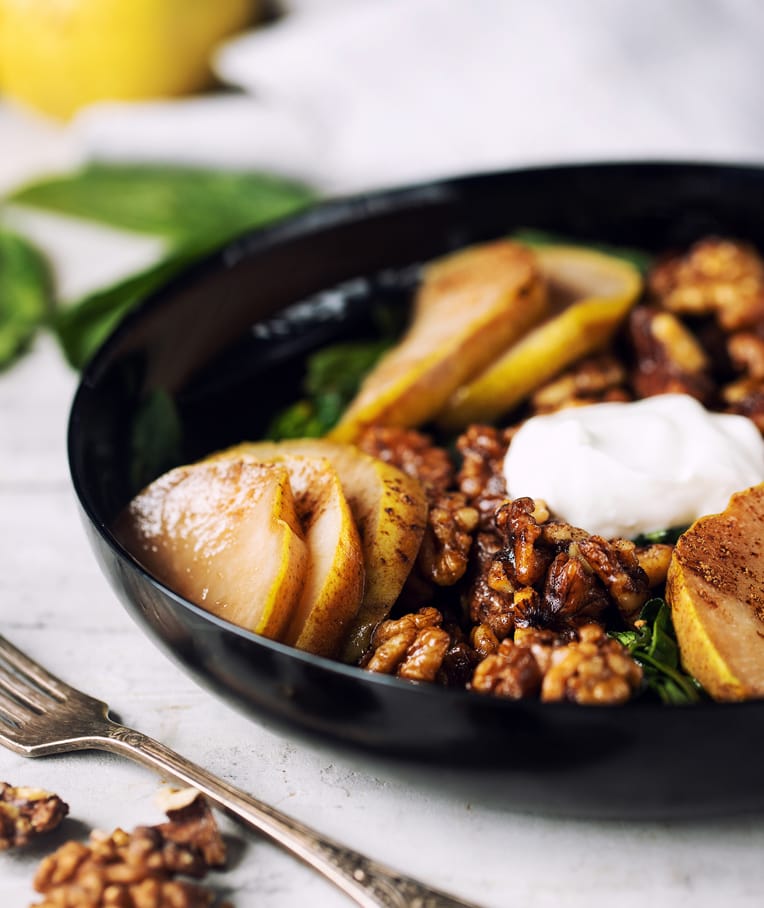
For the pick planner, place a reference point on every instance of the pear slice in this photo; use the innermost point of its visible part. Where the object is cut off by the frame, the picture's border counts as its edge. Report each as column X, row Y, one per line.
column 589, row 295
column 226, row 537
column 470, row 307
column 334, row 581
column 715, row 588
column 390, row 510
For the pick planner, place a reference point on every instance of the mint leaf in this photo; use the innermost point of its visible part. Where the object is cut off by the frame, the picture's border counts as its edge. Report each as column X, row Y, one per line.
column 24, row 294
column 185, row 204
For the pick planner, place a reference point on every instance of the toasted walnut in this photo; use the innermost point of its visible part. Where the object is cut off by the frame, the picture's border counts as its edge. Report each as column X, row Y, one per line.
column 510, row 672
column 654, row 561
column 517, row 521
column 746, row 352
column 481, row 476
column 597, row 379
column 571, row 592
column 617, row 566
column 746, row 398
column 719, row 277
column 593, row 670
column 489, row 598
column 412, row 647
column 445, row 548
column 26, row 813
column 669, row 359
column 138, row 869
column 483, row 640
column 413, row 453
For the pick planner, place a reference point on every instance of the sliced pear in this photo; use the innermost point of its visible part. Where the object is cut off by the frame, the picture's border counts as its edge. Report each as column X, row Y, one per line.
column 589, row 295
column 225, row 536
column 471, row 307
column 715, row 588
column 334, row 581
column 390, row 510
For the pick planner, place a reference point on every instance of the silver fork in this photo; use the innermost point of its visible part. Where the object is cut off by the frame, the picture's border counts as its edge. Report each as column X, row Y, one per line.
column 41, row 715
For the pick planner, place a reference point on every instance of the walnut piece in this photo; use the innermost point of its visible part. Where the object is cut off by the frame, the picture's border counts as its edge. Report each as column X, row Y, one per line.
column 26, row 813
column 412, row 647
column 445, row 548
column 413, row 453
column 138, row 869
column 720, row 277
column 597, row 379
column 481, row 476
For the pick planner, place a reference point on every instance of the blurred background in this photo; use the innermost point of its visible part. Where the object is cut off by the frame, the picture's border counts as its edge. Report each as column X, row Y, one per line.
column 119, row 98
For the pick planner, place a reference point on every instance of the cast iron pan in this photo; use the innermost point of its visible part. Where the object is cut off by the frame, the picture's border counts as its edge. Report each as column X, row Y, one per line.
column 207, row 360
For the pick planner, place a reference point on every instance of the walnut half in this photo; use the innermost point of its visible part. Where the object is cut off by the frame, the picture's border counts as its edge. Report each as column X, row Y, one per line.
column 27, row 812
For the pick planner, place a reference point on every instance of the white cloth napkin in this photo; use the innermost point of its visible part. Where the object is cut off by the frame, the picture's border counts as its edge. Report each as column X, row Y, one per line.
column 368, row 93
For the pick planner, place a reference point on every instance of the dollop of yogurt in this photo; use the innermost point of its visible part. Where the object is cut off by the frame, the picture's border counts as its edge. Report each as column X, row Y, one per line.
column 621, row 469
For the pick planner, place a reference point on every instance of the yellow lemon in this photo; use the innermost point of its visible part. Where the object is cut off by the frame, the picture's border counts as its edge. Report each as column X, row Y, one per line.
column 58, row 55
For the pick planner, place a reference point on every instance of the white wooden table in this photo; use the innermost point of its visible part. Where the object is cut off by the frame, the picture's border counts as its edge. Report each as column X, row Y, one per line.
column 458, row 833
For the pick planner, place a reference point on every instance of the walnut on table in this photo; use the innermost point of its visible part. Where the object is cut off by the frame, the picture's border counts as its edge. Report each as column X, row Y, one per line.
column 138, row 869
column 26, row 813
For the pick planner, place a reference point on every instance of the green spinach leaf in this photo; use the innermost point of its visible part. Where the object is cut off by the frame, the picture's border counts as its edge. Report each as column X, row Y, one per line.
column 25, row 294
column 652, row 643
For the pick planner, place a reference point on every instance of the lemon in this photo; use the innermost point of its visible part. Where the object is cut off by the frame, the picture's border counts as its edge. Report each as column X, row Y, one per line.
column 59, row 55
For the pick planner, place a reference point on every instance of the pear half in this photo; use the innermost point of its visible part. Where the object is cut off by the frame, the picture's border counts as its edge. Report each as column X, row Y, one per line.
column 715, row 588
column 389, row 509
column 226, row 536
column 471, row 306
column 589, row 296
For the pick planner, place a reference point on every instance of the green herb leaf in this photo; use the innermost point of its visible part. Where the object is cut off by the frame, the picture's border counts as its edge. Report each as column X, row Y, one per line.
column 529, row 236
column 333, row 376
column 185, row 204
column 653, row 645
column 155, row 438
column 660, row 536
column 24, row 294
column 81, row 328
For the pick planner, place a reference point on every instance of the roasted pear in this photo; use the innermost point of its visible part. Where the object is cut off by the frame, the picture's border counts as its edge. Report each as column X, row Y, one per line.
column 716, row 591
column 471, row 306
column 389, row 509
column 334, row 580
column 589, row 295
column 227, row 537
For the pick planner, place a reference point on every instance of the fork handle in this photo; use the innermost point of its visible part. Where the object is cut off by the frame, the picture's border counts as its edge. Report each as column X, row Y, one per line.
column 367, row 882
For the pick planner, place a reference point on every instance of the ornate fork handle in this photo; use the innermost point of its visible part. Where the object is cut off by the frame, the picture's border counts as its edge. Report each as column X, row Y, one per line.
column 370, row 884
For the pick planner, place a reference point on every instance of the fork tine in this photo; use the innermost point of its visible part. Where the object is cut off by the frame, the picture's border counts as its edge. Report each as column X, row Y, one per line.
column 11, row 709
column 20, row 689
column 26, row 666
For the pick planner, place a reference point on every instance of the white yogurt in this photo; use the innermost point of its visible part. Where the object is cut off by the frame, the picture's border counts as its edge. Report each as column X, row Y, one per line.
column 620, row 469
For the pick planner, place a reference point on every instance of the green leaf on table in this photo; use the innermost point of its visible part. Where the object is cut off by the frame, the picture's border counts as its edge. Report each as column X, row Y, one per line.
column 24, row 294
column 181, row 203
column 652, row 643
column 83, row 327
column 529, row 236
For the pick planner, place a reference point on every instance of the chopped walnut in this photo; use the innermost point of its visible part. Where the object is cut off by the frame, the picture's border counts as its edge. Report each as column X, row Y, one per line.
column 746, row 398
column 571, row 592
column 26, row 813
column 413, row 453
column 489, row 597
column 719, row 277
column 746, row 352
column 670, row 360
column 481, row 476
column 617, row 566
column 594, row 670
column 517, row 521
column 412, row 647
column 138, row 869
column 512, row 671
column 445, row 548
column 654, row 561
column 597, row 379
